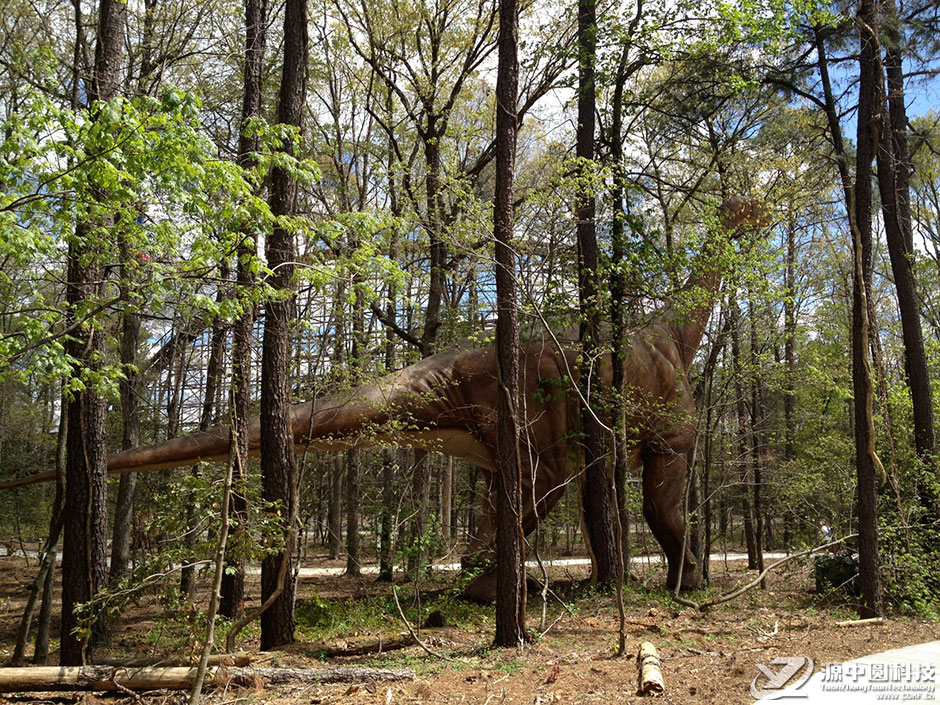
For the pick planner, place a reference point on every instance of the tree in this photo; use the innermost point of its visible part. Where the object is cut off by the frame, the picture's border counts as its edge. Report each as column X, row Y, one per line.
column 510, row 555
column 894, row 182
column 860, row 196
column 249, row 143
column 353, row 456
column 597, row 504
column 84, row 566
column 278, row 465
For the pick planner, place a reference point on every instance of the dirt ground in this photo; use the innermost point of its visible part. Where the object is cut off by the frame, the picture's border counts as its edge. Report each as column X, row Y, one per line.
column 706, row 658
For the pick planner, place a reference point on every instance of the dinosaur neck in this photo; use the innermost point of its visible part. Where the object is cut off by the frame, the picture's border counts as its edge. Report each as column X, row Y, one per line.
column 688, row 324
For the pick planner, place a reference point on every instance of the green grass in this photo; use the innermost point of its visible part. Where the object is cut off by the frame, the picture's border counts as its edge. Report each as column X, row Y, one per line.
column 321, row 619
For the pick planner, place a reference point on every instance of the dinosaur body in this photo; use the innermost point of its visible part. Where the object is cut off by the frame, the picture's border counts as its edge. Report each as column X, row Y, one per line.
column 447, row 403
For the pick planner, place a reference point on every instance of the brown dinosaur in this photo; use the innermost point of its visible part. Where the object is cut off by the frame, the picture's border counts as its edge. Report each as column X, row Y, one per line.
column 446, row 403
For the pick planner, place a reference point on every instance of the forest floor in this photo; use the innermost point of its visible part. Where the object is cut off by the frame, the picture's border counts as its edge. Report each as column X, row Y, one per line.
column 706, row 658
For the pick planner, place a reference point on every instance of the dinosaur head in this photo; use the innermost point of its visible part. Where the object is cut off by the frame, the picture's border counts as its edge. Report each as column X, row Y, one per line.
column 741, row 216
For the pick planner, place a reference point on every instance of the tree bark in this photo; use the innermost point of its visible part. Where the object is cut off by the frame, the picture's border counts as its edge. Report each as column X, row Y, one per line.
column 111, row 678
column 338, row 475
column 510, row 549
column 335, row 509
column 447, row 495
column 389, row 455
column 618, row 306
column 789, row 342
column 353, row 473
column 278, row 464
column 41, row 652
column 386, row 564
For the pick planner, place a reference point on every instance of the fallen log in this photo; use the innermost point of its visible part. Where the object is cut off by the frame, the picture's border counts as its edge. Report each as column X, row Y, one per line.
column 109, row 678
column 649, row 671
column 356, row 646
column 241, row 658
column 354, row 674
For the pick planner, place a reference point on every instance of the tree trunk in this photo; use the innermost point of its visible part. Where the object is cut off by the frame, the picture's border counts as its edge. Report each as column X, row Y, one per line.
column 41, row 652
column 386, row 563
column 447, row 496
column 389, row 455
column 894, row 169
column 707, row 459
column 597, row 506
column 278, row 464
column 353, row 460
column 618, row 310
column 510, row 549
column 232, row 600
column 47, row 562
column 744, row 455
column 866, row 460
column 214, row 372
column 420, row 490
column 757, row 444
column 124, row 507
column 339, row 361
column 117, row 679
column 84, row 565
column 704, row 400
column 353, row 472
column 789, row 344
column 472, row 501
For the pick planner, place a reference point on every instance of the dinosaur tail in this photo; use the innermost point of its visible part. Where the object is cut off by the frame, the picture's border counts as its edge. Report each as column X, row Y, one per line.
column 394, row 411
column 207, row 446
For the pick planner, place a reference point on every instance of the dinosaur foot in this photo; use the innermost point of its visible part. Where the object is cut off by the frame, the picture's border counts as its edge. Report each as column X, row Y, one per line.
column 691, row 578
column 482, row 589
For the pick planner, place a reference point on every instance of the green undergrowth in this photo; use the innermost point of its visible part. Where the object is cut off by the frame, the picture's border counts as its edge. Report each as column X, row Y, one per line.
column 321, row 619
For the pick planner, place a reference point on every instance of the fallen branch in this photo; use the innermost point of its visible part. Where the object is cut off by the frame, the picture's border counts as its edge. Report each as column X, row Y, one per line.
column 116, row 678
column 353, row 647
column 285, row 676
column 649, row 671
column 427, row 649
column 728, row 596
column 860, row 622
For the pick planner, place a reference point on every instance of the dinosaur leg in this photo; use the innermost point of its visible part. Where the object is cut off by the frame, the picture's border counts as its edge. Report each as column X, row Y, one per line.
column 480, row 553
column 664, row 476
column 549, row 488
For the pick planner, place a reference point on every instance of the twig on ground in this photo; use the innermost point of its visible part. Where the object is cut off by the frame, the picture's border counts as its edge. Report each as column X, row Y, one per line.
column 427, row 649
column 756, row 581
column 860, row 622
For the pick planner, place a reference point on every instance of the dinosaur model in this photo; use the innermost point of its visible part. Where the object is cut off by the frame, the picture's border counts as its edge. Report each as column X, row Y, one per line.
column 447, row 403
